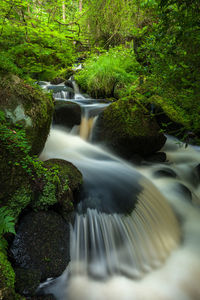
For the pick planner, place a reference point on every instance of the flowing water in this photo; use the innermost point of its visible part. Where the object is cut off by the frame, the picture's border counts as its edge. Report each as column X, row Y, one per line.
column 136, row 233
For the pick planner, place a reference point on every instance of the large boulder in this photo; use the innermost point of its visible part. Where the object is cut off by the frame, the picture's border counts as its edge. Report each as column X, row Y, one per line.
column 128, row 129
column 67, row 113
column 42, row 243
column 29, row 107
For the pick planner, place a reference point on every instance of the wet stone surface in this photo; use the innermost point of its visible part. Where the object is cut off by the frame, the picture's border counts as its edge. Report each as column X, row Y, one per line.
column 42, row 243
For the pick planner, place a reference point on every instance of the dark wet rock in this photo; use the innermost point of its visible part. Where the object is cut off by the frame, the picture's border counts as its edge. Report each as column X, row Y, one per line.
column 158, row 157
column 42, row 82
column 27, row 281
column 69, row 83
column 42, row 243
column 183, row 191
column 57, row 80
column 165, row 172
column 67, row 113
column 42, row 297
column 136, row 159
column 128, row 129
column 196, row 176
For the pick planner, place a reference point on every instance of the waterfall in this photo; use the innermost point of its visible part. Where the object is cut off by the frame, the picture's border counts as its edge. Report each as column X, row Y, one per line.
column 105, row 245
column 136, row 234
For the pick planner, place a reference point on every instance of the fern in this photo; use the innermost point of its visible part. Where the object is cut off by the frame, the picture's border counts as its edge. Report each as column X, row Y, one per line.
column 6, row 225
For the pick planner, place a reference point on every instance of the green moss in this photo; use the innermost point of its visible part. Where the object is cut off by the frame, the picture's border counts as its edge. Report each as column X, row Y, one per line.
column 47, row 197
column 7, row 278
column 127, row 118
column 68, row 180
column 174, row 112
column 6, row 272
column 69, row 175
column 20, row 200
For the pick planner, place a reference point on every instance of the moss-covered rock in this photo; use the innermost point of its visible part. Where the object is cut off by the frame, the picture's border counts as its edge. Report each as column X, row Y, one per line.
column 7, row 280
column 42, row 243
column 70, row 180
column 128, row 128
column 20, row 199
column 170, row 117
column 28, row 106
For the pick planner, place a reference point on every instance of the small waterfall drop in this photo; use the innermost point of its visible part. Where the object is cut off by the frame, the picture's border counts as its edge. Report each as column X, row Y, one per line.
column 136, row 234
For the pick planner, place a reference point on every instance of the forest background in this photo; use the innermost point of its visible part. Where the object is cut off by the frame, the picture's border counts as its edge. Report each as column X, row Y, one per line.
column 147, row 49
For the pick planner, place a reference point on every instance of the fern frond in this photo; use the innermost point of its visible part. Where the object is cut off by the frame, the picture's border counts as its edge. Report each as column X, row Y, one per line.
column 6, row 221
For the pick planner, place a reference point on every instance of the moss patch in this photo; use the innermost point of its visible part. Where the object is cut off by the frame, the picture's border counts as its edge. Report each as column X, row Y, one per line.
column 7, row 280
column 70, row 180
column 175, row 113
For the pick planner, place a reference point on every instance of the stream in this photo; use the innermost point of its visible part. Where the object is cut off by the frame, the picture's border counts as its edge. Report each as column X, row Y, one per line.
column 136, row 234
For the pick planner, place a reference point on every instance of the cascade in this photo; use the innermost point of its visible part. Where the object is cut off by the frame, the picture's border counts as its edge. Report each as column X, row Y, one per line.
column 136, row 233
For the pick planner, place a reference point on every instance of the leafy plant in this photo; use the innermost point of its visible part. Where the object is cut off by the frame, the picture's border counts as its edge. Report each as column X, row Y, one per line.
column 104, row 74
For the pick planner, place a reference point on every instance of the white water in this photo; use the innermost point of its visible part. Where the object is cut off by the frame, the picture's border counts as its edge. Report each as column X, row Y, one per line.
column 149, row 260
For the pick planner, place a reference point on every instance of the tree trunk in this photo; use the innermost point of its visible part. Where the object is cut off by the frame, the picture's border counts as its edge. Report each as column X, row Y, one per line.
column 63, row 11
column 80, row 5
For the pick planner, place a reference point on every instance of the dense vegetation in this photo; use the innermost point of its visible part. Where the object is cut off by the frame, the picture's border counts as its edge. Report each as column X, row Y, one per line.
column 146, row 50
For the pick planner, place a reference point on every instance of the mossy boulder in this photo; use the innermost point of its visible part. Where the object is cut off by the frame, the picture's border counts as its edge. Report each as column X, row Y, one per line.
column 67, row 113
column 128, row 128
column 42, row 243
column 70, row 181
column 28, row 106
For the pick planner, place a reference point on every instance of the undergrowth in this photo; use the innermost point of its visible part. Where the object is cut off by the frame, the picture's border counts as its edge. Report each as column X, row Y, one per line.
column 106, row 74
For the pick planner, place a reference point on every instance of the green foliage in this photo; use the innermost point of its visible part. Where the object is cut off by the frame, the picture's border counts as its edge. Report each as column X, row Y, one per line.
column 103, row 75
column 169, row 53
column 36, row 40
column 6, row 225
column 7, row 274
column 114, row 22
